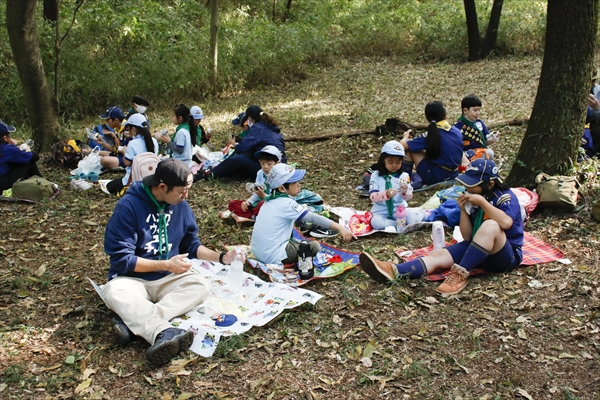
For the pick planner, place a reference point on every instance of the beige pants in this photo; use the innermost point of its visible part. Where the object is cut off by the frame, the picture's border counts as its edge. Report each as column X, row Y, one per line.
column 147, row 306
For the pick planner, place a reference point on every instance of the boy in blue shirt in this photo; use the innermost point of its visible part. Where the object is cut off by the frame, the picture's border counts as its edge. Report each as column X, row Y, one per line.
column 475, row 132
column 106, row 134
column 272, row 241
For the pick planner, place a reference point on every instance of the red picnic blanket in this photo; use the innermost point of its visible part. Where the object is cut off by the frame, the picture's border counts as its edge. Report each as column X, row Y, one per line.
column 535, row 251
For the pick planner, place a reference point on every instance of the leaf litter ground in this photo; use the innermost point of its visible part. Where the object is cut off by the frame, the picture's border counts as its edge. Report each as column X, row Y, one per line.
column 533, row 333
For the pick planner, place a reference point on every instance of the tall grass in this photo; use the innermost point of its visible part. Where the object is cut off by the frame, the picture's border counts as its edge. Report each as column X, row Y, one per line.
column 160, row 48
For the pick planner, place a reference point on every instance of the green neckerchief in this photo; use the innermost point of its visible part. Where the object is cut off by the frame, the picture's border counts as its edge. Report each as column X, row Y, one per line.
column 267, row 190
column 390, row 202
column 184, row 125
column 478, row 221
column 163, row 236
column 472, row 124
column 275, row 194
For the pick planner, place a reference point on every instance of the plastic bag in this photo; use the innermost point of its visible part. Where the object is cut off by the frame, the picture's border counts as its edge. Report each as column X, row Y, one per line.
column 91, row 163
column 360, row 224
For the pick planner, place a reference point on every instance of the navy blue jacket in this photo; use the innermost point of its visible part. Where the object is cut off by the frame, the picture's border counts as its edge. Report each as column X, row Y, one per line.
column 259, row 136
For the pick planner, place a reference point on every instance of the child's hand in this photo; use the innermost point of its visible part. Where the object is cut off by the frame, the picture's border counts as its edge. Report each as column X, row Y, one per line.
column 593, row 102
column 407, row 135
column 163, row 138
column 391, row 193
column 260, row 191
column 245, row 205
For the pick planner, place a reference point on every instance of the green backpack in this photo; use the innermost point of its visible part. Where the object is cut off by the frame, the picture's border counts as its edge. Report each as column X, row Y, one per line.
column 34, row 188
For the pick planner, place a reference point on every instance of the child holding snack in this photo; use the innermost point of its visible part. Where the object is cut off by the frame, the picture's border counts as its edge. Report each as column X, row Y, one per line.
column 389, row 187
column 268, row 157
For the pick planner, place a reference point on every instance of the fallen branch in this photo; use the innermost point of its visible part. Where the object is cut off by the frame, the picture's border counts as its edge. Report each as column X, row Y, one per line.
column 394, row 127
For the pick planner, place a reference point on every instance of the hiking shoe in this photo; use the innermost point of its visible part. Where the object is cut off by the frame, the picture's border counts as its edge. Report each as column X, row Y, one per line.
column 121, row 332
column 455, row 282
column 168, row 344
column 323, row 233
column 381, row 271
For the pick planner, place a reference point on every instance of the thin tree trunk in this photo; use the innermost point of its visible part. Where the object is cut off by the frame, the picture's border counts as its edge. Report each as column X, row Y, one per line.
column 489, row 41
column 274, row 16
column 555, row 128
column 288, row 8
column 214, row 42
column 472, row 30
column 41, row 105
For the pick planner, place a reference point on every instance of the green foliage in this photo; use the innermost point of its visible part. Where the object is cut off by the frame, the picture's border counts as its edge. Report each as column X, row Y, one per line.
column 160, row 49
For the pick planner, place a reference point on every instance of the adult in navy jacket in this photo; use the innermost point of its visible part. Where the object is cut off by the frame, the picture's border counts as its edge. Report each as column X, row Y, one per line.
column 263, row 132
column 15, row 163
column 148, row 238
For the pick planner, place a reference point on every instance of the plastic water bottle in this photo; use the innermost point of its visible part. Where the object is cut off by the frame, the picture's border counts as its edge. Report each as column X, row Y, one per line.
column 400, row 218
column 306, row 269
column 437, row 235
column 236, row 271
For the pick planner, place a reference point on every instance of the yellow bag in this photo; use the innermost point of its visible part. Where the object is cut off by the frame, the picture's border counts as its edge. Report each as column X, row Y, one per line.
column 558, row 192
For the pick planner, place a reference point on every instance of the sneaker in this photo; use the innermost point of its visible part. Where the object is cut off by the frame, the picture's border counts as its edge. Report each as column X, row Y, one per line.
column 304, row 227
column 455, row 282
column 168, row 344
column 202, row 175
column 381, row 271
column 323, row 233
column 121, row 332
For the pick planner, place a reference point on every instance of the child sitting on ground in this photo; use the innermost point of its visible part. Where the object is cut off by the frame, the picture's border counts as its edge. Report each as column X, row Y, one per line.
column 15, row 163
column 272, row 241
column 490, row 222
column 105, row 136
column 139, row 104
column 389, row 187
column 267, row 157
column 436, row 155
column 476, row 137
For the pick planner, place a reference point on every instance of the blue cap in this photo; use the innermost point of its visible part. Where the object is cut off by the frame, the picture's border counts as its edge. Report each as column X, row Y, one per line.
column 240, row 120
column 480, row 170
column 225, row 320
column 113, row 112
column 5, row 129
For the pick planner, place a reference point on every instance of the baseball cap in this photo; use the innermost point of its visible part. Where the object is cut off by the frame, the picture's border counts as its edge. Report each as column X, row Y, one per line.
column 171, row 172
column 480, row 170
column 283, row 173
column 254, row 112
column 112, row 113
column 197, row 112
column 5, row 129
column 271, row 150
column 596, row 73
column 138, row 120
column 393, row 148
column 240, row 119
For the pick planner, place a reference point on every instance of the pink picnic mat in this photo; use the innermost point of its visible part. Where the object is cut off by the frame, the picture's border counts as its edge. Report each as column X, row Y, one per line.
column 535, row 251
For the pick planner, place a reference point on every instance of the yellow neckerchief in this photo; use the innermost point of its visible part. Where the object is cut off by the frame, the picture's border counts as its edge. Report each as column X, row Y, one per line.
column 443, row 125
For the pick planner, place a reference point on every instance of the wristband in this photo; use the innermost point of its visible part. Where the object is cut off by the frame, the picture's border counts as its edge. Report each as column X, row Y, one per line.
column 221, row 257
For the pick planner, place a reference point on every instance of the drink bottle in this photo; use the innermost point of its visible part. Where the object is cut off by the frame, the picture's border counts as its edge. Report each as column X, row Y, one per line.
column 306, row 269
column 437, row 235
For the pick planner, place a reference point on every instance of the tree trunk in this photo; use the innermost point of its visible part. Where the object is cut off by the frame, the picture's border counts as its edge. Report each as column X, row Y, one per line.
column 214, row 41
column 489, row 41
column 556, row 125
column 288, row 7
column 51, row 10
column 41, row 105
column 472, row 30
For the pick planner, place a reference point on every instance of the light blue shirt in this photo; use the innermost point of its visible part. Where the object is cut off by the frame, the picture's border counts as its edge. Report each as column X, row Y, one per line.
column 273, row 229
column 183, row 139
column 136, row 146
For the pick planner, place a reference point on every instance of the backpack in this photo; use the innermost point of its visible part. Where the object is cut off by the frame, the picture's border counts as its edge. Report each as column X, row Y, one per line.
column 34, row 188
column 144, row 164
column 67, row 153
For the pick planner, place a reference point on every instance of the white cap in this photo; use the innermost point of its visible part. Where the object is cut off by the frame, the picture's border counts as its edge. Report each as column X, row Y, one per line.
column 393, row 148
column 197, row 112
column 137, row 120
column 283, row 173
column 272, row 150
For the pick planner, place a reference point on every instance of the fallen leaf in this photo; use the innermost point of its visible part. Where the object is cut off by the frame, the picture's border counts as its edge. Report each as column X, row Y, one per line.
column 369, row 349
column 185, row 396
column 431, row 300
column 566, row 355
column 83, row 385
column 523, row 393
column 366, row 362
column 70, row 360
column 522, row 334
column 87, row 373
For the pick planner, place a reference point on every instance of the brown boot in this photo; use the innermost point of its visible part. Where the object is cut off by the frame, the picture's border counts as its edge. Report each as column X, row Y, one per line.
column 381, row 271
column 455, row 282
